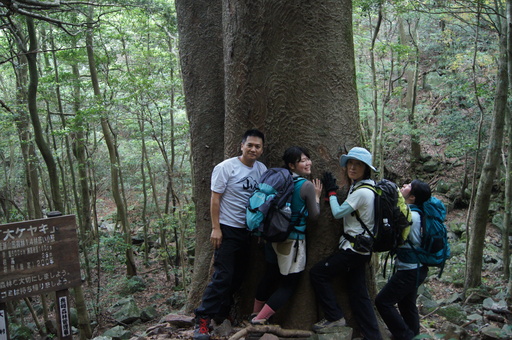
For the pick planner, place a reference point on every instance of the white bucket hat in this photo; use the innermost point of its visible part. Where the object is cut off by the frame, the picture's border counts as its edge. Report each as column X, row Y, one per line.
column 361, row 154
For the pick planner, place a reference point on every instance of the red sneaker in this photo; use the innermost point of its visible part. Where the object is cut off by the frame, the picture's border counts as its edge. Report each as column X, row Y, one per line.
column 202, row 329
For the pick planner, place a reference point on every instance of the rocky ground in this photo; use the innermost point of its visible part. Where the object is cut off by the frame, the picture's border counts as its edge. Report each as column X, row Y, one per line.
column 445, row 311
column 152, row 310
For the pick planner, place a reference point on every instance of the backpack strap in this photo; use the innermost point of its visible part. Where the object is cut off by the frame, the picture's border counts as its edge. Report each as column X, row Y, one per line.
column 356, row 213
column 296, row 180
column 414, row 207
column 358, row 217
column 302, row 210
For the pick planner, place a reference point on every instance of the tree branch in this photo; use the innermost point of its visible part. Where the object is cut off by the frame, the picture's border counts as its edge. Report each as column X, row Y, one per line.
column 274, row 329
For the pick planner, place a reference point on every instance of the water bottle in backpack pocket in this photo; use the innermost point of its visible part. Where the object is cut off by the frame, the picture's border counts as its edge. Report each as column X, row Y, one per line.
column 277, row 223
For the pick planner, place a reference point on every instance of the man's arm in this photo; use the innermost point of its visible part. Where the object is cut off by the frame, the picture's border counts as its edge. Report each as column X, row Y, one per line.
column 216, row 235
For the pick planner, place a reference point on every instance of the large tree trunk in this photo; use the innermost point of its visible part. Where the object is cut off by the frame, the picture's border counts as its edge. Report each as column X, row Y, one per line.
column 290, row 72
column 492, row 158
column 199, row 26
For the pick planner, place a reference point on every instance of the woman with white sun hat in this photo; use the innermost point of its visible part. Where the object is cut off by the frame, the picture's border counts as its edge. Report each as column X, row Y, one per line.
column 350, row 260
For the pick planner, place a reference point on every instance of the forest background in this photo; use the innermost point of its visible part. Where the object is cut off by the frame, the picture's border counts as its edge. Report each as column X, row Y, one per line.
column 94, row 123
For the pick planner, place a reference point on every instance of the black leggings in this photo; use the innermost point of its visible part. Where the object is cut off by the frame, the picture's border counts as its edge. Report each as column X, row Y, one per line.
column 276, row 289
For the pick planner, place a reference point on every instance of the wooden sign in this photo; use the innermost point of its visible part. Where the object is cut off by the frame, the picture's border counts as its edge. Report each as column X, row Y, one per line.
column 38, row 256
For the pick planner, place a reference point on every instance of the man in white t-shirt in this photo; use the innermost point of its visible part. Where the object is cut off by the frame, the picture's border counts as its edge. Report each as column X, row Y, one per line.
column 233, row 181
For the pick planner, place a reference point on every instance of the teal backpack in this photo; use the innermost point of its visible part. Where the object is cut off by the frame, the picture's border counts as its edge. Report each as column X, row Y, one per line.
column 434, row 249
column 268, row 211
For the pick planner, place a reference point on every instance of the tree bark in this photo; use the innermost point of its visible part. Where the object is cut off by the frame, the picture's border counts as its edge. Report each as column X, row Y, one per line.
column 408, row 37
column 22, row 122
column 508, row 202
column 131, row 269
column 481, row 215
column 508, row 189
column 51, row 166
column 200, row 30
column 290, row 72
column 375, row 93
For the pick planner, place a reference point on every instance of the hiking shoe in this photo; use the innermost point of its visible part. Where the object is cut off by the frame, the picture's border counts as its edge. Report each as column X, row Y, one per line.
column 202, row 329
column 258, row 322
column 329, row 324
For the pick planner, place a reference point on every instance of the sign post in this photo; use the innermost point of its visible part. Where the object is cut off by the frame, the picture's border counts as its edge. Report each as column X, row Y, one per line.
column 36, row 257
column 63, row 317
column 4, row 332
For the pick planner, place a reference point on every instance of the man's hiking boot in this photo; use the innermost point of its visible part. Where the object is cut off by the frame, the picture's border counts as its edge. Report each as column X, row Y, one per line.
column 329, row 324
column 202, row 329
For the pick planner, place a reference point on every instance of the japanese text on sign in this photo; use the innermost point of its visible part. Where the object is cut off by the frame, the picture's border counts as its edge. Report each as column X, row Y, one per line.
column 64, row 317
column 38, row 256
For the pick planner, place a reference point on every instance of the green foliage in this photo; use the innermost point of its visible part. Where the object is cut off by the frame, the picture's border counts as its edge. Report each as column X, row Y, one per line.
column 112, row 250
column 132, row 285
column 450, row 85
column 367, row 5
column 20, row 332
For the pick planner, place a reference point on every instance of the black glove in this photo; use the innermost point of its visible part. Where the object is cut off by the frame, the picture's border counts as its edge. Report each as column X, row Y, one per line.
column 329, row 182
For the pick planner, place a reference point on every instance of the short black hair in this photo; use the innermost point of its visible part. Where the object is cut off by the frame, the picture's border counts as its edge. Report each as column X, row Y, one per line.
column 421, row 192
column 293, row 155
column 253, row 133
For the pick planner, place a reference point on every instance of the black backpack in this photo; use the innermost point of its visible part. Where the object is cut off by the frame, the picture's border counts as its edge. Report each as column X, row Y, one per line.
column 268, row 210
column 392, row 217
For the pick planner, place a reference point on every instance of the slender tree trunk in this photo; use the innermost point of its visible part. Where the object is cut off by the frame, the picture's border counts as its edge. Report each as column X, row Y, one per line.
column 22, row 122
column 143, row 160
column 83, row 317
column 66, row 138
column 508, row 188
column 408, row 37
column 171, row 199
column 84, row 324
column 79, row 151
column 131, row 269
column 36, row 124
column 479, row 132
column 385, row 101
column 161, row 221
column 200, row 30
column 375, row 91
column 508, row 197
column 480, row 216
